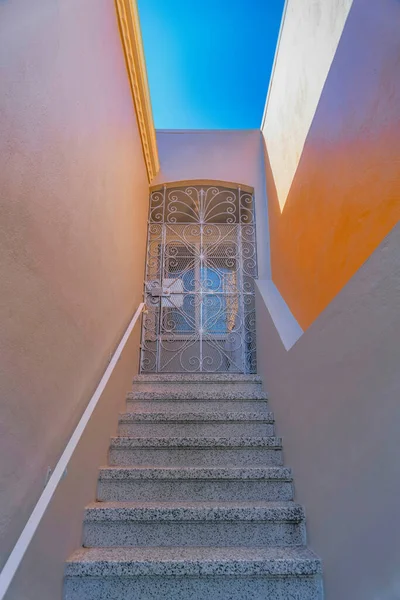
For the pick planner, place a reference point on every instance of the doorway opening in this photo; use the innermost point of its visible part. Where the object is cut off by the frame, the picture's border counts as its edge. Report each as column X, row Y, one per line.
column 199, row 286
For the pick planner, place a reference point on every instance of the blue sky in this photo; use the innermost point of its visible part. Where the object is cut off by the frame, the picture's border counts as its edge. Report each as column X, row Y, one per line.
column 209, row 61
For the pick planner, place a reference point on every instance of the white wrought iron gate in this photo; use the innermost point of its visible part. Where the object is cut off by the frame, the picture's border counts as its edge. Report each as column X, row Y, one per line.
column 199, row 286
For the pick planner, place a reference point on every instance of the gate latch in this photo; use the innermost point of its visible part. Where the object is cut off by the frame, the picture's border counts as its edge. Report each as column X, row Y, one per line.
column 159, row 291
column 156, row 292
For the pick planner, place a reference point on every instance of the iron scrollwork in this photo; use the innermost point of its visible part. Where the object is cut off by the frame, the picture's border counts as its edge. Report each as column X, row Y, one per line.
column 199, row 288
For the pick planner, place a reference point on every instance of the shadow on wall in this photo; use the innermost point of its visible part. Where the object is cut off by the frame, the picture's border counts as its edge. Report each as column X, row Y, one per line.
column 335, row 396
column 345, row 196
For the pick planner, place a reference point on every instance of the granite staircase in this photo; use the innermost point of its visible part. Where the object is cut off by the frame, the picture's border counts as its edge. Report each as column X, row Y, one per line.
column 195, row 501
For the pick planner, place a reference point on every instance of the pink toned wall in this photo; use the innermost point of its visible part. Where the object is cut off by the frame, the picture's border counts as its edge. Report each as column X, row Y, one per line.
column 41, row 572
column 74, row 194
column 335, row 396
column 344, row 197
column 335, row 253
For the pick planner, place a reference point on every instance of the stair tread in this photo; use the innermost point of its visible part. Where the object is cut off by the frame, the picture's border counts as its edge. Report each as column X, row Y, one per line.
column 149, row 472
column 248, row 512
column 196, row 442
column 197, row 378
column 194, row 511
column 203, row 394
column 203, row 561
column 195, row 417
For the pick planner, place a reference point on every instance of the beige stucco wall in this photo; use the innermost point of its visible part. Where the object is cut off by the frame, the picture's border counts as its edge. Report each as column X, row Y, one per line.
column 41, row 573
column 335, row 395
column 233, row 156
column 74, row 195
column 310, row 34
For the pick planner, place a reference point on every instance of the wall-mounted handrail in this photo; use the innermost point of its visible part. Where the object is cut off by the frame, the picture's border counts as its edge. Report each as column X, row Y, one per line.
column 18, row 552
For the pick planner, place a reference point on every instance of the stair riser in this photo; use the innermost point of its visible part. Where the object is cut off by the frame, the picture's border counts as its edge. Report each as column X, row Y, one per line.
column 220, row 378
column 183, row 490
column 198, row 389
column 184, row 533
column 223, row 429
column 204, row 406
column 188, row 493
column 196, row 457
column 193, row 588
column 212, row 394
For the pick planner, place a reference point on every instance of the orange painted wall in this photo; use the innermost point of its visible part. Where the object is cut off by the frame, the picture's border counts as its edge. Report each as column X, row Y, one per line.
column 345, row 196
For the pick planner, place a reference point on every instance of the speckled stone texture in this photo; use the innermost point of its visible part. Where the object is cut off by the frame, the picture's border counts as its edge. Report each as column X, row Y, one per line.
column 196, row 417
column 197, row 392
column 196, row 424
column 214, row 561
column 182, row 573
column 179, row 452
column 212, row 378
column 171, row 406
column 194, row 524
column 195, row 501
column 198, row 457
column 194, row 484
column 194, row 511
column 193, row 588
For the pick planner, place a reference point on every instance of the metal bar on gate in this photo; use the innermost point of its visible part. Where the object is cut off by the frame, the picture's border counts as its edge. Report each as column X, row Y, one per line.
column 241, row 278
column 200, row 283
column 162, row 266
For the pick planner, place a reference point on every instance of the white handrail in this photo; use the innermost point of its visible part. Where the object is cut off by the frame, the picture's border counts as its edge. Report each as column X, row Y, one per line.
column 18, row 552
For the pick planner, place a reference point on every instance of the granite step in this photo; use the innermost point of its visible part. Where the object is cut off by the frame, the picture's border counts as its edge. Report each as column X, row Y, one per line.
column 196, row 424
column 166, row 524
column 197, row 392
column 191, row 484
column 181, row 573
column 220, row 378
column 177, row 405
column 190, row 386
column 196, row 452
column 110, row 524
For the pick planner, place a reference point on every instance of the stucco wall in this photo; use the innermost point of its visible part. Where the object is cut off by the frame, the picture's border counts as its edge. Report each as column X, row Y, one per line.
column 334, row 186
column 310, row 34
column 74, row 195
column 41, row 573
column 233, row 156
column 335, row 395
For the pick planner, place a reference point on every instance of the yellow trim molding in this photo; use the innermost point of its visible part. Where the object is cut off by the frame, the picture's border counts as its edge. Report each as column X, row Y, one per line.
column 129, row 25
